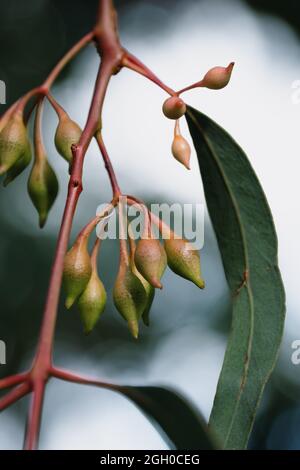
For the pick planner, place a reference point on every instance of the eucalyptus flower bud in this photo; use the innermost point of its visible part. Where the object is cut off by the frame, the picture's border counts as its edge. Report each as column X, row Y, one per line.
column 129, row 297
column 150, row 293
column 218, row 77
column 77, row 270
column 181, row 150
column 92, row 302
column 151, row 260
column 42, row 188
column 67, row 134
column 18, row 167
column 174, row 107
column 150, row 290
column 14, row 143
column 184, row 260
column 2, row 123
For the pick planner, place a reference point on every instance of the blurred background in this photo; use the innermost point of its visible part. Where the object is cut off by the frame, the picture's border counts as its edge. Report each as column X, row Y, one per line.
column 184, row 347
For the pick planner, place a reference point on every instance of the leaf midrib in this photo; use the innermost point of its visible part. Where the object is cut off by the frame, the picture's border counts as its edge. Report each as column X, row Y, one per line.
column 247, row 284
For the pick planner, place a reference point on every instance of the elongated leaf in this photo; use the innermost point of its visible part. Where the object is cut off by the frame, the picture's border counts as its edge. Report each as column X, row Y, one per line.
column 247, row 240
column 183, row 426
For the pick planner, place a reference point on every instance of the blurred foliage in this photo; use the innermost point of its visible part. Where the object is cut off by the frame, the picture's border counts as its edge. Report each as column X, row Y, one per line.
column 60, row 23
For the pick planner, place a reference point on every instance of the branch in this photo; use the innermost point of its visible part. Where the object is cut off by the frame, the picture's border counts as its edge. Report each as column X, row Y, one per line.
column 131, row 62
column 12, row 380
column 109, row 168
column 14, row 395
column 113, row 58
column 66, row 59
column 80, row 379
column 45, row 87
column 34, row 416
column 111, row 54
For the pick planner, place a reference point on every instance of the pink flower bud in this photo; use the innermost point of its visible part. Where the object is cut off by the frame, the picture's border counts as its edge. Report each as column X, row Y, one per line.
column 218, row 77
column 181, row 150
column 174, row 108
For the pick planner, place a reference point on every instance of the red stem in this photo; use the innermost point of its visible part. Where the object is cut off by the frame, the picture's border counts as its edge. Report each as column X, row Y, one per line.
column 113, row 58
column 191, row 87
column 14, row 395
column 66, row 58
column 34, row 417
column 111, row 54
column 108, row 165
column 79, row 379
column 13, row 380
column 147, row 232
column 124, row 257
column 164, row 228
column 45, row 87
column 131, row 62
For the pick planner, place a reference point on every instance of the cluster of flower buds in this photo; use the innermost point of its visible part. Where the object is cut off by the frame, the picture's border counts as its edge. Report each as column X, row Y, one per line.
column 140, row 271
column 81, row 280
column 142, row 268
column 174, row 108
column 16, row 154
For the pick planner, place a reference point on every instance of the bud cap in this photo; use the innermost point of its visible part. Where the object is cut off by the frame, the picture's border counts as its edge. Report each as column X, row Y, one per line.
column 67, row 134
column 151, row 260
column 150, row 293
column 184, row 260
column 14, row 144
column 181, row 150
column 129, row 298
column 174, row 107
column 18, row 167
column 218, row 77
column 42, row 188
column 92, row 302
column 77, row 270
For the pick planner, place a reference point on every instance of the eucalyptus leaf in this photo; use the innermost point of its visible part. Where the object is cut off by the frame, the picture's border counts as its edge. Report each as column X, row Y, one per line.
column 174, row 415
column 248, row 244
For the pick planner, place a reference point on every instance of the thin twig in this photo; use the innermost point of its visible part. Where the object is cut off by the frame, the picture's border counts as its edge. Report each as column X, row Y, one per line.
column 14, row 395
column 79, row 379
column 131, row 62
column 109, row 168
column 12, row 380
column 113, row 58
column 108, row 46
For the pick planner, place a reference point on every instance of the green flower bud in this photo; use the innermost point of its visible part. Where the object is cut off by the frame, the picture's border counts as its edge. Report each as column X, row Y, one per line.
column 181, row 150
column 77, row 270
column 14, row 143
column 218, row 77
column 2, row 123
column 42, row 188
column 67, row 134
column 151, row 260
column 184, row 260
column 150, row 292
column 18, row 167
column 174, row 107
column 92, row 302
column 130, row 298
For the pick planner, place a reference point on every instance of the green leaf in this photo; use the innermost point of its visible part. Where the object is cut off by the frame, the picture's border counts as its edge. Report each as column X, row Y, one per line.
column 174, row 415
column 247, row 240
